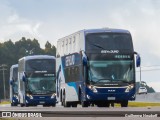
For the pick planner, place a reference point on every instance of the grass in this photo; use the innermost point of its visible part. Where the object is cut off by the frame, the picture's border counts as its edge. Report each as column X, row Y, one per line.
column 140, row 104
column 4, row 102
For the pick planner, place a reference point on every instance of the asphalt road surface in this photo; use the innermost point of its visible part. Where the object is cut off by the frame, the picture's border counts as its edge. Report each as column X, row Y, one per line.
column 90, row 112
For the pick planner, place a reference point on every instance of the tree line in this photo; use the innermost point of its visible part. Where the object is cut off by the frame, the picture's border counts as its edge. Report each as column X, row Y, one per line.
column 11, row 52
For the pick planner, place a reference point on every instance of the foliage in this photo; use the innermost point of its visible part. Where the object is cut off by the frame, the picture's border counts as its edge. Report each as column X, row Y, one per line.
column 11, row 52
column 144, row 84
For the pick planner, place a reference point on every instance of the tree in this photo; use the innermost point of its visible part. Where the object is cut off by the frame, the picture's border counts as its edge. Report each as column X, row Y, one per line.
column 49, row 49
column 11, row 52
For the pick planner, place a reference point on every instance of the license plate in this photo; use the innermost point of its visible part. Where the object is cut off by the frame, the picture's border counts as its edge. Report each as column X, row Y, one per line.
column 41, row 102
column 111, row 98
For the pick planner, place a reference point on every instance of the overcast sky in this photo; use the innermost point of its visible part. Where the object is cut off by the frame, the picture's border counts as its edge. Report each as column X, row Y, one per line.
column 49, row 20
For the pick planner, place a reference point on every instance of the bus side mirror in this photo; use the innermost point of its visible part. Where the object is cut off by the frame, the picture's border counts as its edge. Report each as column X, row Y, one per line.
column 11, row 82
column 84, row 59
column 138, row 60
column 24, row 78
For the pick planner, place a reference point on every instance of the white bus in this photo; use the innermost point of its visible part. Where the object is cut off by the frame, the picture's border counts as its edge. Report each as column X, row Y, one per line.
column 14, row 85
column 36, row 80
column 96, row 66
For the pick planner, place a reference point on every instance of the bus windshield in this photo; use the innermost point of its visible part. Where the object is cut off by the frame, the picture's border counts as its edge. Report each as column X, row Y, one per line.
column 40, row 65
column 111, row 71
column 15, row 87
column 15, row 78
column 119, row 41
column 41, row 83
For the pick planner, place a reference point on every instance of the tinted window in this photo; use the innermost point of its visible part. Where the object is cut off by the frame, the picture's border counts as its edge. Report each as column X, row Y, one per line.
column 118, row 41
column 15, row 73
column 40, row 65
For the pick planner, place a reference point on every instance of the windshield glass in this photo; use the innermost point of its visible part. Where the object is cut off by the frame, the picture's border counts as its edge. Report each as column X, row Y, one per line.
column 40, row 65
column 111, row 71
column 119, row 41
column 15, row 87
column 15, row 74
column 15, row 78
column 41, row 83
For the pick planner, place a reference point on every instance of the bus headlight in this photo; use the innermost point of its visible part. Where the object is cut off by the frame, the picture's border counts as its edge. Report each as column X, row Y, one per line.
column 16, row 96
column 93, row 88
column 53, row 95
column 30, row 96
column 130, row 87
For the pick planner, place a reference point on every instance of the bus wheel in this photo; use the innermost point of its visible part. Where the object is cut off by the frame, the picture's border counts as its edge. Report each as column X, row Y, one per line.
column 74, row 104
column 53, row 105
column 84, row 103
column 103, row 104
column 65, row 103
column 21, row 104
column 124, row 103
column 26, row 105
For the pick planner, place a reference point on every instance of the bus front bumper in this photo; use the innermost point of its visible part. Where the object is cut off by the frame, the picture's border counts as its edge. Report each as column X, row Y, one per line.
column 107, row 94
column 40, row 100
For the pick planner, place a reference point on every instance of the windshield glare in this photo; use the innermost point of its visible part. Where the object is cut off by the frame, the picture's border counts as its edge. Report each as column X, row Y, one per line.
column 111, row 71
column 41, row 85
column 118, row 41
column 40, row 65
column 15, row 87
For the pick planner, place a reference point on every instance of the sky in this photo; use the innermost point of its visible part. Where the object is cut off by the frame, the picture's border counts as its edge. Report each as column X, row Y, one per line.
column 50, row 20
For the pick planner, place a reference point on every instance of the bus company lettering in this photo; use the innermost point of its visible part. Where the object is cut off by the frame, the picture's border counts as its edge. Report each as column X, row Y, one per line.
column 70, row 60
column 109, row 51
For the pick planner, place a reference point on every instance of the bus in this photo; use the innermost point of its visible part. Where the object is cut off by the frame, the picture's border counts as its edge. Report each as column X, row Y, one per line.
column 14, row 85
column 37, row 80
column 96, row 67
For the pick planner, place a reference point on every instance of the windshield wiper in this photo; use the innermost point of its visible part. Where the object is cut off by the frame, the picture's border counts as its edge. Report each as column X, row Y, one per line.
column 96, row 45
column 99, row 80
column 125, row 81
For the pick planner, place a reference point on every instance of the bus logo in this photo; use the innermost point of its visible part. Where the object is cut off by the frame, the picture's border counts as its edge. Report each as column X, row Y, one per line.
column 70, row 60
column 109, row 51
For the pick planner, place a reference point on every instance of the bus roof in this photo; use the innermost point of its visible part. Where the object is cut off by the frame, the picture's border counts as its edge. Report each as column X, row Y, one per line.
column 14, row 66
column 100, row 30
column 106, row 30
column 37, row 57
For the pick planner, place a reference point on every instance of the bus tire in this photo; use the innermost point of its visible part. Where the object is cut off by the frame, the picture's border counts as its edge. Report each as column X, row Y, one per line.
column 54, row 105
column 103, row 104
column 65, row 103
column 74, row 104
column 124, row 103
column 84, row 103
column 26, row 105
column 21, row 104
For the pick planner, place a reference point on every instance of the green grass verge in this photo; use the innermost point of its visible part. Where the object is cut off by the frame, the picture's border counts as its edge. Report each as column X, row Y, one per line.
column 5, row 102
column 140, row 104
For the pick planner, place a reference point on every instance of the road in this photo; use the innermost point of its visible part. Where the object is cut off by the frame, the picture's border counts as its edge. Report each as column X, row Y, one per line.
column 59, row 111
column 91, row 113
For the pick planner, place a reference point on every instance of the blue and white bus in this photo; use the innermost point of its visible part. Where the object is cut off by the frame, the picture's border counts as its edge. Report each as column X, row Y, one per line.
column 96, row 66
column 14, row 85
column 37, row 81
